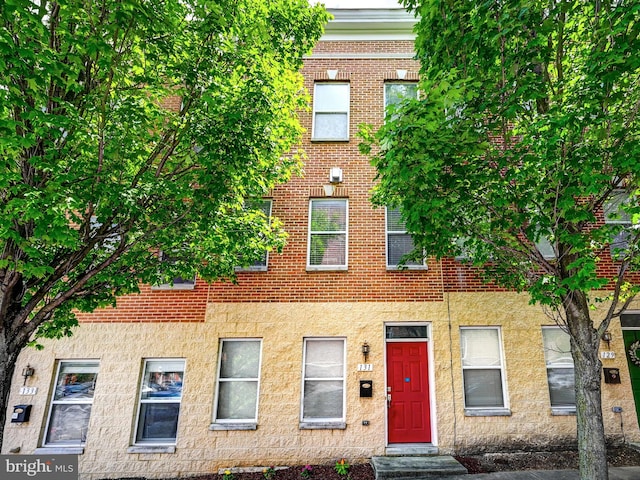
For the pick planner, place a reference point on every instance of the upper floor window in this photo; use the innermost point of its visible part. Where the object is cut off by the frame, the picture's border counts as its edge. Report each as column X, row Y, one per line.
column 396, row 92
column 177, row 283
column 483, row 371
column 399, row 242
column 331, row 111
column 560, row 374
column 328, row 231
column 614, row 214
column 160, row 399
column 259, row 265
column 70, row 408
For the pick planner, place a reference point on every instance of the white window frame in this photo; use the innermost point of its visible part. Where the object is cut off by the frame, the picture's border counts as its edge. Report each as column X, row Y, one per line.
column 396, row 82
column 179, row 283
column 611, row 210
column 482, row 410
column 236, row 424
column 328, row 422
column 62, row 401
column 157, row 401
column 256, row 267
column 561, row 409
column 312, row 233
column 388, row 233
column 320, row 109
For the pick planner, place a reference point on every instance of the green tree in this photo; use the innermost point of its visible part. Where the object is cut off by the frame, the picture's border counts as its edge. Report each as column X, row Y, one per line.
column 525, row 131
column 129, row 127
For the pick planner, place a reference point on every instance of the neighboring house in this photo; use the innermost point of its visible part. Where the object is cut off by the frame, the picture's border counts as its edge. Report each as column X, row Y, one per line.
column 325, row 351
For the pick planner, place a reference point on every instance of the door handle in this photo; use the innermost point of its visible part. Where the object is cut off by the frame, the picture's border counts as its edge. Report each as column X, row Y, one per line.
column 388, row 400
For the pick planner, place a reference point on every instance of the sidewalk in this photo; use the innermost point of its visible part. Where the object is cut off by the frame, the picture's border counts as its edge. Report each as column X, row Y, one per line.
column 615, row 473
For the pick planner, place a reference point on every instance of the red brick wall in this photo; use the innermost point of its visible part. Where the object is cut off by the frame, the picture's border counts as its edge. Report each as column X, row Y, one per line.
column 287, row 279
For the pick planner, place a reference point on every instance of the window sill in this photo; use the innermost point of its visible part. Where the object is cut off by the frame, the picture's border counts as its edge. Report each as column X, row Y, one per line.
column 177, row 286
column 487, row 412
column 327, row 268
column 59, row 451
column 566, row 411
column 323, row 425
column 152, row 449
column 233, row 426
column 250, row 269
column 395, row 268
column 320, row 140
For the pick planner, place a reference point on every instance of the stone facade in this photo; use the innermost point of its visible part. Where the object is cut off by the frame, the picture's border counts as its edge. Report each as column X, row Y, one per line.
column 289, row 303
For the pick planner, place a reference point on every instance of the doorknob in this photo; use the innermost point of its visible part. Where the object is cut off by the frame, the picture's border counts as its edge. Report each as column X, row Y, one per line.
column 388, row 400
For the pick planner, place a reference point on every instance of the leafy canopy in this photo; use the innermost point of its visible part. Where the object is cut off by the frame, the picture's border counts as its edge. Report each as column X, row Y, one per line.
column 128, row 127
column 526, row 127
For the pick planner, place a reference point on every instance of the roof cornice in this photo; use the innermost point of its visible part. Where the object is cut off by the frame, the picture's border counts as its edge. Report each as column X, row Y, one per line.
column 370, row 24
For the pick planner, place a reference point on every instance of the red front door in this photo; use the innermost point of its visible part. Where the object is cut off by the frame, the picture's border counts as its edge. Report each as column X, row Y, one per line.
column 408, row 393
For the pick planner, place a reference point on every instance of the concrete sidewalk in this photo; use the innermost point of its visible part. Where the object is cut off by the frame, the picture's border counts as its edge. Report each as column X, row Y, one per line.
column 615, row 473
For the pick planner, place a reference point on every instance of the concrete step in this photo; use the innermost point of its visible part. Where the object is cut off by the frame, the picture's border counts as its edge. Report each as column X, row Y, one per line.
column 414, row 467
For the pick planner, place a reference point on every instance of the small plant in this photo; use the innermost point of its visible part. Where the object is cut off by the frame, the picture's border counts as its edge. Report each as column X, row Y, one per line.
column 306, row 472
column 227, row 475
column 269, row 473
column 342, row 467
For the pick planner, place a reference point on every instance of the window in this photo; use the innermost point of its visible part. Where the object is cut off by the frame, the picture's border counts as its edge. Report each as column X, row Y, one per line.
column 259, row 265
column 615, row 215
column 70, row 408
column 399, row 242
column 396, row 92
column 177, row 283
column 545, row 247
column 331, row 111
column 160, row 398
column 323, row 389
column 238, row 381
column 560, row 375
column 327, row 235
column 482, row 370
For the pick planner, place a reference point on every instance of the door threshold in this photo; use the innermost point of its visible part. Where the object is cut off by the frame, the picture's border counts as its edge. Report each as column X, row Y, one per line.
column 402, row 449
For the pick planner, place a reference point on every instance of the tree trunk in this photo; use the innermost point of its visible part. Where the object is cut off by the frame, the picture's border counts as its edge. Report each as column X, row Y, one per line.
column 8, row 359
column 585, row 342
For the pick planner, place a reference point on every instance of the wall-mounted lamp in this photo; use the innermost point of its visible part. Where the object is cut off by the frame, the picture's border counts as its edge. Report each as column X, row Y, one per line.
column 365, row 351
column 606, row 337
column 27, row 372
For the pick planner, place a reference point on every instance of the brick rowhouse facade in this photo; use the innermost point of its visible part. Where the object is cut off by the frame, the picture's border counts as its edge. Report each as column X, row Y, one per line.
column 301, row 333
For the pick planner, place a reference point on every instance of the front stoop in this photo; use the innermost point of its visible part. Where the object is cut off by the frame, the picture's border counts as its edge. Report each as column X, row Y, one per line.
column 414, row 467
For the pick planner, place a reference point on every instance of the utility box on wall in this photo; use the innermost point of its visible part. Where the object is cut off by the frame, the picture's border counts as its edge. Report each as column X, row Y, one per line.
column 366, row 388
column 611, row 375
column 20, row 413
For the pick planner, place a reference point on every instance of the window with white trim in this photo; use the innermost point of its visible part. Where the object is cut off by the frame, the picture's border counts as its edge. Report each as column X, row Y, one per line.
column 560, row 372
column 328, row 234
column 483, row 370
column 71, row 402
column 259, row 265
column 159, row 402
column 615, row 214
column 174, row 282
column 397, row 92
column 399, row 242
column 323, row 386
column 238, row 381
column 331, row 111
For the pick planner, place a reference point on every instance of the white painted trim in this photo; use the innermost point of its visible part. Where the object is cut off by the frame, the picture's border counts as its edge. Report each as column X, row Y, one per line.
column 370, row 24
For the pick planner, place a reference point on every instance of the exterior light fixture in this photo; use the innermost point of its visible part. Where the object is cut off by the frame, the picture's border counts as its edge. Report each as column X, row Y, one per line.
column 365, row 351
column 606, row 337
column 27, row 372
